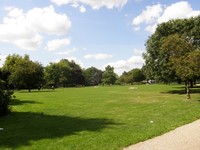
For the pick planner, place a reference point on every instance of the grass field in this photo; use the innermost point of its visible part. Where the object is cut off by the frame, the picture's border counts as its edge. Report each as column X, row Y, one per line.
column 101, row 118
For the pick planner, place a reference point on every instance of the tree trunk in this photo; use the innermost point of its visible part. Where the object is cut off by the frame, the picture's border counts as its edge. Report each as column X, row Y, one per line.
column 188, row 90
column 191, row 83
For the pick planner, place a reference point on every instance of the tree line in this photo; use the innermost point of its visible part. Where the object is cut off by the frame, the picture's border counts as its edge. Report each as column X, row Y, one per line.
column 19, row 72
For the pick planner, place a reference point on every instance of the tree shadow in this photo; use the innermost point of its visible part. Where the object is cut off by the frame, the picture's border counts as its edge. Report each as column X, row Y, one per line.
column 20, row 128
column 37, row 91
column 181, row 90
column 22, row 102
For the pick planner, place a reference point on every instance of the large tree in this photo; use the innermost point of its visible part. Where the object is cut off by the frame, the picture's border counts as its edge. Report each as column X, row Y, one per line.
column 134, row 75
column 64, row 73
column 24, row 73
column 137, row 75
column 77, row 77
column 5, row 94
column 184, row 58
column 58, row 74
column 92, row 76
column 109, row 76
column 156, row 62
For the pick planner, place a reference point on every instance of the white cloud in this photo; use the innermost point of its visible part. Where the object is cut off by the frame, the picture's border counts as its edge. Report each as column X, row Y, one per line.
column 98, row 56
column 57, row 43
column 82, row 9
column 46, row 20
column 148, row 15
column 177, row 10
column 66, row 52
column 25, row 29
column 62, row 2
column 126, row 65
column 95, row 4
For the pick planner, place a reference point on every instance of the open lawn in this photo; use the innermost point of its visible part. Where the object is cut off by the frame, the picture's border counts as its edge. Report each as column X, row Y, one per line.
column 95, row 118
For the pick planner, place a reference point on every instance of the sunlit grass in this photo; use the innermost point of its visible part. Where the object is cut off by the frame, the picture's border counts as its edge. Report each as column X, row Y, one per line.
column 107, row 118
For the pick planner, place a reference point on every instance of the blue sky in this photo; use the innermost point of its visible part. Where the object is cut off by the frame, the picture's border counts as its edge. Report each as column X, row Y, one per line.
column 90, row 32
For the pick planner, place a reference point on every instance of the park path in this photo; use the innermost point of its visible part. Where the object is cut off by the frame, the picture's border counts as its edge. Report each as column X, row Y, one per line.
column 186, row 137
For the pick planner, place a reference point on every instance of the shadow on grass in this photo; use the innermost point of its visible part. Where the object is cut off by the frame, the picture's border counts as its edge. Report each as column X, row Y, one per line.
column 21, row 102
column 37, row 91
column 20, row 128
column 181, row 90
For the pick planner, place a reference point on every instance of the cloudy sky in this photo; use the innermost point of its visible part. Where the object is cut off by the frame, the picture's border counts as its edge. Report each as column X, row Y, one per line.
column 90, row 32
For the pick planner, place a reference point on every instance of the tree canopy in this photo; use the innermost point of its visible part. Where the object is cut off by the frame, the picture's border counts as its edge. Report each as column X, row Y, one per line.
column 109, row 76
column 156, row 61
column 92, row 76
column 24, row 73
column 172, row 52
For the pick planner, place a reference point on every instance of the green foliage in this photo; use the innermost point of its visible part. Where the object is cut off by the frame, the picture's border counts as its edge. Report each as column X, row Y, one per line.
column 103, row 118
column 5, row 97
column 183, row 57
column 135, row 75
column 57, row 74
column 92, row 76
column 109, row 76
column 157, row 64
column 63, row 74
column 24, row 73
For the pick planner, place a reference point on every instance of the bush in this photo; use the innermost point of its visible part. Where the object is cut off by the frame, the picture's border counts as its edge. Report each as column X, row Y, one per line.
column 5, row 97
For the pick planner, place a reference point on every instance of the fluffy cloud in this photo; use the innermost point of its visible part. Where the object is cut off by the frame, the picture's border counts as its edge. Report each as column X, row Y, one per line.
column 150, row 14
column 66, row 52
column 98, row 56
column 95, row 4
column 82, row 9
column 25, row 29
column 156, row 14
column 126, row 65
column 57, row 43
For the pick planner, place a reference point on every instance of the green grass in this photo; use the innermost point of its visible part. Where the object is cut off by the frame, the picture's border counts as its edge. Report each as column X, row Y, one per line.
column 103, row 118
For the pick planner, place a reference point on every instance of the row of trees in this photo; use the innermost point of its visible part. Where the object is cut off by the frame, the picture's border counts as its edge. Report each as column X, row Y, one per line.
column 173, row 52
column 22, row 73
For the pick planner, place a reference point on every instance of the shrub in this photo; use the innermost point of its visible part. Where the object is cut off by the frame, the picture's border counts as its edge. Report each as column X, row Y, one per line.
column 5, row 97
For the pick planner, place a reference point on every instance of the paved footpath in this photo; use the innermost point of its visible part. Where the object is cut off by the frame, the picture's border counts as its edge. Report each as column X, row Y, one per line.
column 186, row 137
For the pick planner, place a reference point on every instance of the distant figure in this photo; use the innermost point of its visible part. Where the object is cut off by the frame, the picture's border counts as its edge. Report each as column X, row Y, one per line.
column 52, row 87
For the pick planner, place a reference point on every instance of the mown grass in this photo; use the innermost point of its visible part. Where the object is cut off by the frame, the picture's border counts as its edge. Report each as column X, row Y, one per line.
column 107, row 118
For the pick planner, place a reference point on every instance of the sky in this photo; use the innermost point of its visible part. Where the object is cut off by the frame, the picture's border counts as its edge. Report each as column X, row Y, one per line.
column 91, row 32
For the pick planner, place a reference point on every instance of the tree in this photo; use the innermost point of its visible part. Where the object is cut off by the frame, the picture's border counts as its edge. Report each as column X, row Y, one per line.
column 58, row 74
column 156, row 62
column 5, row 95
column 63, row 74
column 187, row 67
column 24, row 73
column 77, row 77
column 109, row 76
column 137, row 75
column 124, row 78
column 92, row 76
